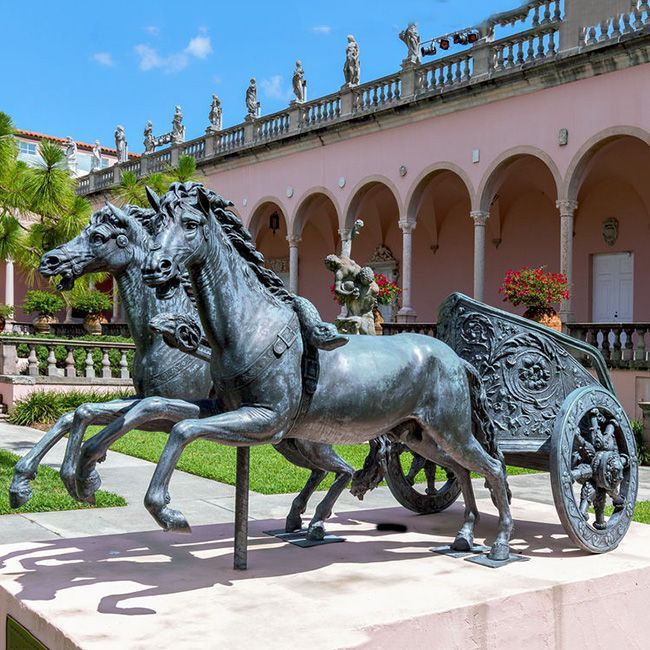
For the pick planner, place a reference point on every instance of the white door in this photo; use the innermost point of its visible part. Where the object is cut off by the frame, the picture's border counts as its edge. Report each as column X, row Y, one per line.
column 613, row 288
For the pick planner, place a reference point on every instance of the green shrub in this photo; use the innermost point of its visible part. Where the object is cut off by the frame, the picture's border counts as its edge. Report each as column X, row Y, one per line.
column 642, row 451
column 6, row 311
column 92, row 302
column 47, row 406
column 42, row 303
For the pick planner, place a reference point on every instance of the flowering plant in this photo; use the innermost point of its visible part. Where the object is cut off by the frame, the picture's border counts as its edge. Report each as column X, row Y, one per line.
column 388, row 291
column 534, row 287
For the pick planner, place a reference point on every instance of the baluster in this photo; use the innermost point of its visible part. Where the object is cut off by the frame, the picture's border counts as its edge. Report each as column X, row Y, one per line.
column 628, row 352
column 520, row 53
column 390, row 94
column 627, row 27
column 32, row 362
column 639, row 347
column 338, row 107
column 124, row 365
column 638, row 20
column 466, row 72
column 591, row 38
column 531, row 48
column 616, row 347
column 605, row 347
column 604, row 30
column 382, row 94
column 558, row 12
column 51, row 362
column 450, row 75
column 70, row 370
column 536, row 17
column 441, row 76
column 90, row 367
column 458, row 76
column 510, row 60
column 551, row 43
column 106, row 365
column 547, row 13
column 374, row 100
column 540, row 46
column 398, row 89
column 616, row 26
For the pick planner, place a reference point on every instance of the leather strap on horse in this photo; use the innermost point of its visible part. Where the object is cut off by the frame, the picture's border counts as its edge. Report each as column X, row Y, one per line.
column 282, row 342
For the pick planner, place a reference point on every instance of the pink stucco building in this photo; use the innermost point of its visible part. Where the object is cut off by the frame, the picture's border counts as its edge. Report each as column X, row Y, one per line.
column 528, row 147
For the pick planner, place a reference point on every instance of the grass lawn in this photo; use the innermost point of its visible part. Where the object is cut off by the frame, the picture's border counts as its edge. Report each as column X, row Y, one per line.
column 641, row 512
column 49, row 493
column 270, row 472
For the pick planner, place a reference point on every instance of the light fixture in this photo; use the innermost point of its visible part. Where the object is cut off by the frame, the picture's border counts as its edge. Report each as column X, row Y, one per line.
column 444, row 43
column 274, row 222
column 428, row 51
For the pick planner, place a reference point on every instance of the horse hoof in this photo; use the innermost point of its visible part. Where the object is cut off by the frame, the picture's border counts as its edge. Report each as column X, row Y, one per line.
column 86, row 487
column 292, row 524
column 70, row 483
column 316, row 532
column 462, row 543
column 499, row 552
column 172, row 521
column 19, row 493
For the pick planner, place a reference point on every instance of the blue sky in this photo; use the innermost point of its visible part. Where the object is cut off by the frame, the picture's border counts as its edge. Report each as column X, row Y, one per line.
column 73, row 68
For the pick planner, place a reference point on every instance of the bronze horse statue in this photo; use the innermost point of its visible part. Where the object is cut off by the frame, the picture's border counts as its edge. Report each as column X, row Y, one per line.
column 275, row 387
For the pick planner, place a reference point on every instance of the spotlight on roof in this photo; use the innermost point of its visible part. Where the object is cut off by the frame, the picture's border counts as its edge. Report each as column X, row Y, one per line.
column 428, row 51
column 444, row 43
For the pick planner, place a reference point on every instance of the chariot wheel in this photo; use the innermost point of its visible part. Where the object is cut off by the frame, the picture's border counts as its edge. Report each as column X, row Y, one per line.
column 424, row 499
column 594, row 469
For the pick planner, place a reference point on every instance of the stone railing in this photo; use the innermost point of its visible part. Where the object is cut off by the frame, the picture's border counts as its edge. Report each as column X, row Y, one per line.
column 623, row 345
column 537, row 44
column 617, row 26
column 12, row 365
column 429, row 329
column 133, row 166
column 72, row 330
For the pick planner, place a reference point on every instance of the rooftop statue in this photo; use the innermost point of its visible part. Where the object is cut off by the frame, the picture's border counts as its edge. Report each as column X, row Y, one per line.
column 352, row 66
column 411, row 38
column 96, row 158
column 71, row 154
column 252, row 105
column 299, row 84
column 355, row 288
column 178, row 130
column 216, row 114
column 121, row 144
column 149, row 139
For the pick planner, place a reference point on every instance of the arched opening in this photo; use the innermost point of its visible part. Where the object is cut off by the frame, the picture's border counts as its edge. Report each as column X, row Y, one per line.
column 442, row 241
column 316, row 223
column 379, row 242
column 612, row 231
column 523, row 230
column 268, row 226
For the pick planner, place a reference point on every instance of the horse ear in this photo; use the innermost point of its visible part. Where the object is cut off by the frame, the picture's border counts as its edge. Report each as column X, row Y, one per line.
column 116, row 213
column 204, row 201
column 154, row 199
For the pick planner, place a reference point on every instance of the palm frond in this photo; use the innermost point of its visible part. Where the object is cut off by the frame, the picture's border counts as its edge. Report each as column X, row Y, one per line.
column 130, row 190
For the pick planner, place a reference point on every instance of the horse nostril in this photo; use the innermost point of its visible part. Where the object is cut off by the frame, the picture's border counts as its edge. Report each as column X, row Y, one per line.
column 52, row 260
column 165, row 265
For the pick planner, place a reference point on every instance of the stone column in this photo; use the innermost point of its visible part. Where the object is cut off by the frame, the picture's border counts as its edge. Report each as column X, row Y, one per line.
column 406, row 314
column 9, row 289
column 567, row 210
column 293, row 263
column 480, row 220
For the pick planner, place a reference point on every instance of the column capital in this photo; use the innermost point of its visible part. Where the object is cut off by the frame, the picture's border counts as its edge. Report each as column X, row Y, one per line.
column 479, row 217
column 566, row 207
column 293, row 240
column 407, row 226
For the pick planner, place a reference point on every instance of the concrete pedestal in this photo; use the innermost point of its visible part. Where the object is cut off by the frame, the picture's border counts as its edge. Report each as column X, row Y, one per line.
column 378, row 590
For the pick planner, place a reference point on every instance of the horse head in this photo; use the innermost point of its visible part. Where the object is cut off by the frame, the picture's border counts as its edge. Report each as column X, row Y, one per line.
column 111, row 241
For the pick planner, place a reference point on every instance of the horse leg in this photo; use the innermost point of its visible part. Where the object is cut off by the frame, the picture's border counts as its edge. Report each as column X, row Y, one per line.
column 325, row 457
column 288, row 449
column 20, row 492
column 427, row 448
column 93, row 450
column 244, row 427
column 82, row 417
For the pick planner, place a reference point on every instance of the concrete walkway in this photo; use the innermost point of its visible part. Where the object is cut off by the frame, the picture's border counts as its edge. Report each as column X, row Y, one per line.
column 203, row 501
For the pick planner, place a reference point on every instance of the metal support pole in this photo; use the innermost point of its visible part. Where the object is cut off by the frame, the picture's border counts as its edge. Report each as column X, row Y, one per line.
column 241, row 508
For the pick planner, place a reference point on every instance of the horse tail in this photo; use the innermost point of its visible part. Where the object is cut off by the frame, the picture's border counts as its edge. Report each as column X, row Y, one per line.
column 482, row 426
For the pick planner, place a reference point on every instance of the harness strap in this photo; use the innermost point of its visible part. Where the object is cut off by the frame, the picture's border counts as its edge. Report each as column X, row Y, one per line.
column 283, row 341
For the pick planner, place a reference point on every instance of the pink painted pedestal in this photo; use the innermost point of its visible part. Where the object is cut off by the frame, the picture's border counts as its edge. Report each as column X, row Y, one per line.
column 378, row 590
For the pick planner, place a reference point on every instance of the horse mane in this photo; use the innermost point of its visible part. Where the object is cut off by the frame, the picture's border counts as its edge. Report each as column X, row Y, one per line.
column 231, row 224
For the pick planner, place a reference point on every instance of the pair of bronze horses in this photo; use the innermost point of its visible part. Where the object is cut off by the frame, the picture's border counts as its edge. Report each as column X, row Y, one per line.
column 269, row 384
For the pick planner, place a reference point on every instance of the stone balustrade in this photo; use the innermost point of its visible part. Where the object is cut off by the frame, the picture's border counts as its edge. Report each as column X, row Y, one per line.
column 617, row 26
column 623, row 345
column 428, row 329
column 12, row 365
column 536, row 44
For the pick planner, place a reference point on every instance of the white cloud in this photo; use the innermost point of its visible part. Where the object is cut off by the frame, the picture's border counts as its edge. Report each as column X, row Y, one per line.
column 103, row 58
column 322, row 29
column 199, row 47
column 272, row 88
column 152, row 29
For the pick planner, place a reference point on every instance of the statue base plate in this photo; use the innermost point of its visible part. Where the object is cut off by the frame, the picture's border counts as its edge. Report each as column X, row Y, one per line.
column 484, row 560
column 477, row 549
column 299, row 538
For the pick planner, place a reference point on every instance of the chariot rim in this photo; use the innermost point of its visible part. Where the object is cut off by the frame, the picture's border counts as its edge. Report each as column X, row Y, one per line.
column 612, row 465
